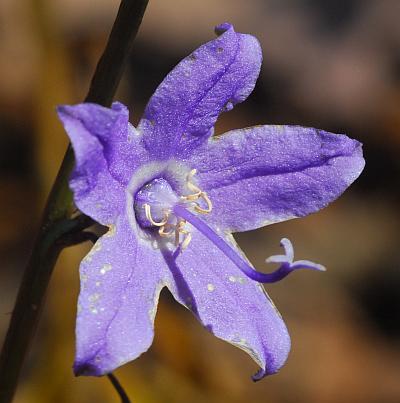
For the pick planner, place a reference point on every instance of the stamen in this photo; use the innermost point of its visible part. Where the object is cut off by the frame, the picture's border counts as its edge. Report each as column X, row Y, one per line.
column 186, row 241
column 171, row 227
column 162, row 232
column 181, row 246
column 150, row 218
column 286, row 266
column 197, row 191
column 177, row 236
column 179, row 229
column 209, row 204
column 191, row 197
column 191, row 185
column 198, row 194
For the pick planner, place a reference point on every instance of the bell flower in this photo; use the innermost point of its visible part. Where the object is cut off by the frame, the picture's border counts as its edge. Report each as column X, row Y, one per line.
column 172, row 194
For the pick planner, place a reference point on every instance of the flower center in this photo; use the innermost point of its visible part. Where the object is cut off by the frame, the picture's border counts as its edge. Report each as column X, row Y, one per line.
column 154, row 208
column 159, row 208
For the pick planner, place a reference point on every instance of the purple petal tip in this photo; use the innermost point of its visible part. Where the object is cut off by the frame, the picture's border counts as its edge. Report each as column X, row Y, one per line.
column 220, row 29
column 62, row 110
column 86, row 369
column 271, row 369
column 259, row 375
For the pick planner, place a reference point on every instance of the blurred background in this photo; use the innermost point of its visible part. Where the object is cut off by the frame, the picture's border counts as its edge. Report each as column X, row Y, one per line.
column 331, row 64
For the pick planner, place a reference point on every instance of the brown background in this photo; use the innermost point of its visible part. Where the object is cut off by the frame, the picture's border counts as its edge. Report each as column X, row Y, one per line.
column 329, row 64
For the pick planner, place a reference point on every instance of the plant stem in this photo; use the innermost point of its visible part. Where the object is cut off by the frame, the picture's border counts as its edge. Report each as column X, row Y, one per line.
column 56, row 227
column 118, row 388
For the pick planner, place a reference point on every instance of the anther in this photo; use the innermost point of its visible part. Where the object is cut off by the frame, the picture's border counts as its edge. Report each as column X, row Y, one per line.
column 194, row 188
column 164, row 233
column 209, row 204
column 191, row 197
column 179, row 229
column 150, row 218
column 186, row 241
column 191, row 185
column 198, row 194
column 171, row 226
column 191, row 174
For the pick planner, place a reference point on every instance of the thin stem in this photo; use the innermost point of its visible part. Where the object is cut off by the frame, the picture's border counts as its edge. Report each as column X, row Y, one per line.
column 111, row 64
column 119, row 389
column 56, row 228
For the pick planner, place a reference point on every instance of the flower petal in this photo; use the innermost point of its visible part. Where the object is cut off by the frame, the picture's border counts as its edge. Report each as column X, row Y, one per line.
column 231, row 306
column 107, row 150
column 266, row 174
column 184, row 108
column 120, row 286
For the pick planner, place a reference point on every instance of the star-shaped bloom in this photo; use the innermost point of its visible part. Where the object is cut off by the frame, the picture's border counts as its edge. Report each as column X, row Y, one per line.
column 171, row 195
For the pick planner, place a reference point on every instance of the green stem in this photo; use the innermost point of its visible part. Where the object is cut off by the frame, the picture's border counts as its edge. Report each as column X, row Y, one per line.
column 57, row 226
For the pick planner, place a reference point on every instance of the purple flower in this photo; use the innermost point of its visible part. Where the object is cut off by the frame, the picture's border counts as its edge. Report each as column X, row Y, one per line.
column 172, row 195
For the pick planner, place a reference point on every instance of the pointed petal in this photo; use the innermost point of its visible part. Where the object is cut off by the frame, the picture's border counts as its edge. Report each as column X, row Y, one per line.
column 120, row 286
column 266, row 174
column 231, row 306
column 106, row 151
column 184, row 108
